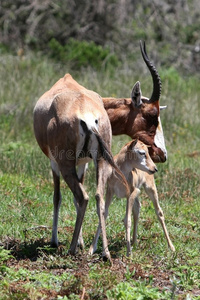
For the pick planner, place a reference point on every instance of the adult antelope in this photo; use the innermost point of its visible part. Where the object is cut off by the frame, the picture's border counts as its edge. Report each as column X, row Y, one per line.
column 138, row 116
column 71, row 126
column 135, row 163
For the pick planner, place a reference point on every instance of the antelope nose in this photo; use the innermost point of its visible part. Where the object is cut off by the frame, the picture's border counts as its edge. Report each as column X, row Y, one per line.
column 165, row 158
column 156, row 170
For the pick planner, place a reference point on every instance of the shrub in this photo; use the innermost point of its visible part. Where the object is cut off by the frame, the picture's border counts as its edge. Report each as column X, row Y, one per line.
column 82, row 53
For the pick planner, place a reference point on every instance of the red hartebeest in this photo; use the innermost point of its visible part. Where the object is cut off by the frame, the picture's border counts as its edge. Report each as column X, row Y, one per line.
column 72, row 127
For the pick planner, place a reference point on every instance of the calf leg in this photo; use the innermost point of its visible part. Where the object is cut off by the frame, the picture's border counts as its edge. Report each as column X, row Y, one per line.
column 93, row 247
column 127, row 221
column 80, row 173
column 152, row 193
column 101, row 181
column 136, row 214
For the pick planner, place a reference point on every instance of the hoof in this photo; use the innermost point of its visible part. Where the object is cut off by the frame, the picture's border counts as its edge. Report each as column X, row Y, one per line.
column 81, row 246
column 72, row 252
column 92, row 250
column 54, row 245
column 107, row 258
column 129, row 249
column 172, row 248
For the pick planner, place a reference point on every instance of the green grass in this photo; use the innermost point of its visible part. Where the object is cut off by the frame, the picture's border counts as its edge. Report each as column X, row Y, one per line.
column 29, row 268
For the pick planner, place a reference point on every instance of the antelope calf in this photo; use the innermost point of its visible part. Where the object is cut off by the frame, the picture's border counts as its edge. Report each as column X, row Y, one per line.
column 72, row 127
column 132, row 155
column 137, row 166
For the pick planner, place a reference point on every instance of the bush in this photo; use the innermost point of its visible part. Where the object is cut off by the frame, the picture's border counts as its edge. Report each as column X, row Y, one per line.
column 82, row 53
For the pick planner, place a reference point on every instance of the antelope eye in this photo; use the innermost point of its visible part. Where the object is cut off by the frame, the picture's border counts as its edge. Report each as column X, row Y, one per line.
column 142, row 153
column 151, row 133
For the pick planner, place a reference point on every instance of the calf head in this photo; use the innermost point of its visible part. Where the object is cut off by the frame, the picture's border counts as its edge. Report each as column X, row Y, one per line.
column 140, row 155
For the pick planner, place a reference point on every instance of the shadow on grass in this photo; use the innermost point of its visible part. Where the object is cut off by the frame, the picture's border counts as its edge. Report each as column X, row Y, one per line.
column 116, row 247
column 31, row 250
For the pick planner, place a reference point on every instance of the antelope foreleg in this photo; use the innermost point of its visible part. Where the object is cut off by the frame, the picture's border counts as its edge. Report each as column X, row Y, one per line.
column 136, row 213
column 152, row 193
column 127, row 221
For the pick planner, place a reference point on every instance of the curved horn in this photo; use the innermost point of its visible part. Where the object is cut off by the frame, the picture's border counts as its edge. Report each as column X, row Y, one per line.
column 154, row 73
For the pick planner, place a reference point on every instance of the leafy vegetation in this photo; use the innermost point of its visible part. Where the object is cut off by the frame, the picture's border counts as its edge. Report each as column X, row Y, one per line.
column 29, row 268
column 170, row 27
column 80, row 54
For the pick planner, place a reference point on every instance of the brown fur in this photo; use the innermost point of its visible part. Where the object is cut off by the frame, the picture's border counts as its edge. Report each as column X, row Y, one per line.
column 137, row 122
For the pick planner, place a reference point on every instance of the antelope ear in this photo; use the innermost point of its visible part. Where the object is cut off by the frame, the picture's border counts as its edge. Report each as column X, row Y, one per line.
column 163, row 107
column 136, row 94
column 134, row 142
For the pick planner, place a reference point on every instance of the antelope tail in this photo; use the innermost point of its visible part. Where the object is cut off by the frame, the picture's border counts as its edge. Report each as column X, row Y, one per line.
column 107, row 156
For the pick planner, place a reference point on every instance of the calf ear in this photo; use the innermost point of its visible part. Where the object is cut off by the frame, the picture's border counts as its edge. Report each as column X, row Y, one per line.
column 134, row 142
column 136, row 94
